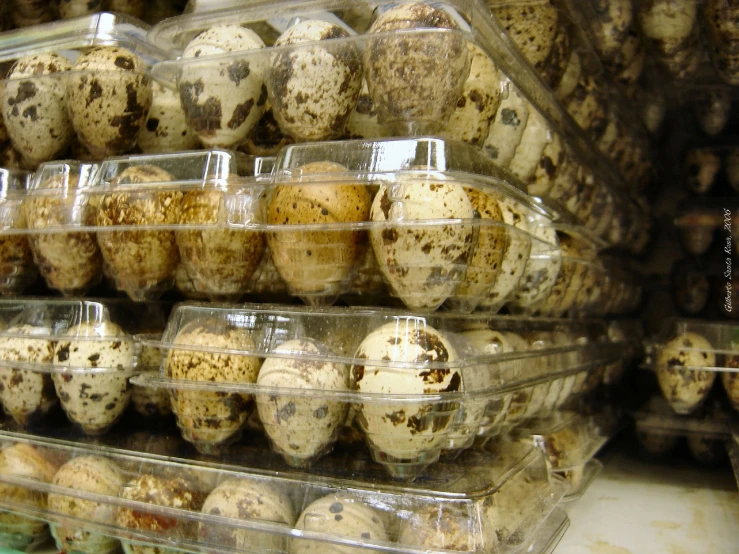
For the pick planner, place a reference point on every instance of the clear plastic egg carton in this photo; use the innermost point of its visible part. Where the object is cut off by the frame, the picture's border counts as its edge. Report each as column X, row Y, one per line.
column 412, row 385
column 17, row 270
column 79, row 354
column 483, row 503
column 659, row 431
column 550, row 534
column 688, row 356
column 570, row 442
column 79, row 81
column 707, row 168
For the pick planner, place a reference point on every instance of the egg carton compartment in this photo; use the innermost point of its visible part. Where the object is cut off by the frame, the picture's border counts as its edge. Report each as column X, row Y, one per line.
column 706, row 167
column 17, row 270
column 489, row 503
column 439, row 379
column 580, row 478
column 550, row 533
column 79, row 354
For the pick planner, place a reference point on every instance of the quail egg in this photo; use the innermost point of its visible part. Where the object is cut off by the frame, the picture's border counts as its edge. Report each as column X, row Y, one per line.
column 570, row 280
column 220, row 261
column 508, row 127
column 554, row 67
column 134, row 8
column 313, row 89
column 687, row 60
column 533, row 27
column 667, row 24
column 406, row 433
column 69, row 9
column 316, row 263
column 415, row 79
column 17, row 270
column 3, row 130
column 726, row 65
column 701, row 167
column 166, row 129
column 570, row 77
column 302, row 428
column 343, row 516
column 109, row 96
column 542, row 267
column 612, row 25
column 26, row 394
column 251, row 500
column 170, row 492
column 92, row 474
column 653, row 110
column 537, row 135
column 720, row 20
column 68, row 261
column 24, row 460
column 210, row 419
column 552, row 157
column 223, row 100
column 94, row 390
column 587, row 106
column 34, row 107
column 730, row 380
column 712, row 108
column 363, row 122
column 685, row 389
column 141, row 262
column 479, row 102
column 150, row 401
column 423, row 265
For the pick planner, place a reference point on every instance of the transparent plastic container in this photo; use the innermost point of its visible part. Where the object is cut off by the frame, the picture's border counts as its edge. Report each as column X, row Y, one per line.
column 17, row 270
column 78, row 353
column 417, row 384
column 688, row 356
column 482, row 503
column 70, row 75
column 550, row 533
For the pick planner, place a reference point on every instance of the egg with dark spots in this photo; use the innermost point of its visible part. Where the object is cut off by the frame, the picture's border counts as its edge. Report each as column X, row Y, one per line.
column 610, row 28
column 553, row 155
column 423, row 264
column 69, row 9
column 537, row 135
column 166, row 129
column 508, row 126
column 109, row 96
column 730, row 380
column 363, row 122
column 34, row 104
column 223, row 100
column 343, row 516
column 209, row 419
column 316, row 264
column 678, row 365
column 667, row 24
column 302, row 428
column 701, row 166
column 415, row 431
column 712, row 108
column 570, row 77
column 587, row 106
column 313, row 89
column 415, row 79
column 531, row 27
column 554, row 67
column 141, row 262
column 94, row 399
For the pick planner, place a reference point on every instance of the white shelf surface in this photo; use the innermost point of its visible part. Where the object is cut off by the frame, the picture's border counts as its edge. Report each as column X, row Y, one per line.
column 634, row 507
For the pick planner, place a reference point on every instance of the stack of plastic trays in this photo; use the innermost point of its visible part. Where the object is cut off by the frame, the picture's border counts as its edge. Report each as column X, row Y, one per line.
column 688, row 356
column 79, row 354
column 95, row 495
column 17, row 271
column 570, row 442
column 412, row 385
column 659, row 430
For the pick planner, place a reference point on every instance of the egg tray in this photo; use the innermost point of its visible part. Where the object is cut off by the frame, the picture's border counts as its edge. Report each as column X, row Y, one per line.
column 491, row 502
column 550, row 533
column 303, row 391
column 711, row 346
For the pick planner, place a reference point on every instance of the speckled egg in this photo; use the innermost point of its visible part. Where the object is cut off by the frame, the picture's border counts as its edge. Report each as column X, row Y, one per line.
column 150, row 401
column 26, row 395
column 629, row 75
column 533, row 27
column 93, row 474
column 552, row 157
column 170, row 492
column 444, row 527
column 569, row 281
column 69, row 9
column 224, row 100
column 313, row 89
column 712, row 108
column 363, row 122
column 400, row 432
column 508, row 126
column 486, row 261
column 24, row 460
column 301, row 428
column 17, row 270
column 109, row 96
column 732, row 168
column 339, row 515
column 3, row 130
column 69, row 262
column 166, row 129
column 94, row 400
column 316, row 263
column 415, row 80
column 685, row 389
column 220, row 261
column 422, row 265
column 542, row 267
column 612, row 24
column 210, row 419
column 725, row 63
column 667, row 24
column 141, row 262
column 701, row 167
column 245, row 499
column 536, row 136
column 730, row 381
column 653, row 110
column 554, row 67
column 34, row 107
column 720, row 18
column 479, row 102
column 587, row 105
column 134, row 8
column 687, row 60
column 570, row 77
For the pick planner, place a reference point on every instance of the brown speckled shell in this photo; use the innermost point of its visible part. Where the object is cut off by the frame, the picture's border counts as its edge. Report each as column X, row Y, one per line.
column 685, row 389
column 532, row 27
